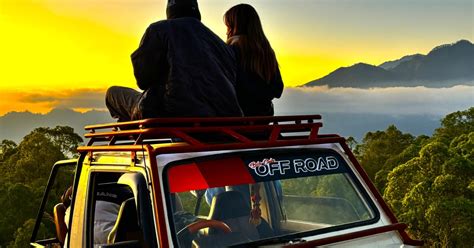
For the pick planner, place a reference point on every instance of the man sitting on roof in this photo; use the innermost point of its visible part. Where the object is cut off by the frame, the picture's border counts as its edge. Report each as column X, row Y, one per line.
column 184, row 69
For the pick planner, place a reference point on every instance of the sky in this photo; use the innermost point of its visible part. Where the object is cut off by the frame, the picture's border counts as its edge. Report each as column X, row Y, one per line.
column 67, row 52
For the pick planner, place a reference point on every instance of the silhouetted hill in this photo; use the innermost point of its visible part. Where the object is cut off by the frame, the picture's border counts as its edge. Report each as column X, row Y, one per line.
column 394, row 63
column 352, row 76
column 443, row 63
column 15, row 125
column 444, row 66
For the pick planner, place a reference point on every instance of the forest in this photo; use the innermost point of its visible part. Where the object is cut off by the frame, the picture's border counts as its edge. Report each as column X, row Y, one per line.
column 427, row 181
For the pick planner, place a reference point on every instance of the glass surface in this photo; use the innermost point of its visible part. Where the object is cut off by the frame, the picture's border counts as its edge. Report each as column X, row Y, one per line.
column 262, row 196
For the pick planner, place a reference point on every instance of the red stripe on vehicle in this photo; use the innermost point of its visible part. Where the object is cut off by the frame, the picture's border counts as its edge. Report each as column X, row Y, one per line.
column 185, row 178
column 225, row 172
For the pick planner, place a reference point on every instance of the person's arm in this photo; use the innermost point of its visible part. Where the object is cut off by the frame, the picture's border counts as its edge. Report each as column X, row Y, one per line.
column 147, row 60
column 277, row 84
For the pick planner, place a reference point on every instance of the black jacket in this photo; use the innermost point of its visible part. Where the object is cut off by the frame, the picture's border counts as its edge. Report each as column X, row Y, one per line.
column 186, row 71
column 255, row 95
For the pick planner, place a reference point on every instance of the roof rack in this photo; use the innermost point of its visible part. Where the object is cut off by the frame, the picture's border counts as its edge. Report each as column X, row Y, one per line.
column 200, row 133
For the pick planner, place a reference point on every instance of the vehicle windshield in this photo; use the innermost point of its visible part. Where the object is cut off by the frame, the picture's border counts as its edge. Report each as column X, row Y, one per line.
column 257, row 197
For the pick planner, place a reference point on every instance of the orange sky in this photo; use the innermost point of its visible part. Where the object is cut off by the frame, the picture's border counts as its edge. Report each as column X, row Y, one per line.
column 57, row 50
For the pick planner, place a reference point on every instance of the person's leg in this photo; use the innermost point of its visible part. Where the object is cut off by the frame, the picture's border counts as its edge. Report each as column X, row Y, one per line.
column 121, row 102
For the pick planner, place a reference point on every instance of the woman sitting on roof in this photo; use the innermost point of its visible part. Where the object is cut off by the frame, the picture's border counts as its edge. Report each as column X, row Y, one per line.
column 258, row 76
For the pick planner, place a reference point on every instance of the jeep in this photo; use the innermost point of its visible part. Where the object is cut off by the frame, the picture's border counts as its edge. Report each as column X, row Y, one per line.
column 216, row 182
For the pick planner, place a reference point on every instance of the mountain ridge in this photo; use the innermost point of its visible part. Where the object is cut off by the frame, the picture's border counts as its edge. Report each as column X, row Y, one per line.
column 15, row 125
column 444, row 66
column 394, row 63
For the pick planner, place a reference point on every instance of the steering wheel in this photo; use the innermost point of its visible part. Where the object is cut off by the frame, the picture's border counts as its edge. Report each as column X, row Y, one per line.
column 185, row 235
column 194, row 227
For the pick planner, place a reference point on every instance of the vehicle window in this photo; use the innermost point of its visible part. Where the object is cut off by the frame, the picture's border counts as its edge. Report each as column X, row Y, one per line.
column 51, row 229
column 191, row 202
column 112, row 210
column 334, row 197
column 249, row 197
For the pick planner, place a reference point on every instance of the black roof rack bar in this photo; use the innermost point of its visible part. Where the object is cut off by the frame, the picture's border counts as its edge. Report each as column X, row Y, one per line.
column 205, row 131
column 210, row 121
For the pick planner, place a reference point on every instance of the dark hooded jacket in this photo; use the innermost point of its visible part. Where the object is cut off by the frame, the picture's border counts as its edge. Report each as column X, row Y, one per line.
column 186, row 71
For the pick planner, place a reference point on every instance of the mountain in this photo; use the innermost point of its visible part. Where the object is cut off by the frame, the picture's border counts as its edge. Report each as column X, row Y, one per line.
column 443, row 63
column 353, row 76
column 394, row 63
column 444, row 66
column 15, row 125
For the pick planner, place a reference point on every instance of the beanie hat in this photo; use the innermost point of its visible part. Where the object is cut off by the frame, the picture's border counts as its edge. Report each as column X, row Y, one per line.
column 182, row 8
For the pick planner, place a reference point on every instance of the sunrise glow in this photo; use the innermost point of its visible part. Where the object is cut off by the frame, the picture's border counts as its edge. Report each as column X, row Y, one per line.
column 55, row 49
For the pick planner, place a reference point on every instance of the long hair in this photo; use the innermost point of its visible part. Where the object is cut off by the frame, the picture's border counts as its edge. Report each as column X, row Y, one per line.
column 256, row 53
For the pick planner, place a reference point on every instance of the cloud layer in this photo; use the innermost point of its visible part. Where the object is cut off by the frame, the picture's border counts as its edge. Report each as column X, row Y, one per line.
column 392, row 101
column 43, row 101
column 305, row 100
column 81, row 98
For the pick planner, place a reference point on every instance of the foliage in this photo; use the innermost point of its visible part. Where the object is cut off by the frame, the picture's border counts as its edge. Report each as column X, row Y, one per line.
column 25, row 170
column 351, row 142
column 62, row 137
column 410, row 152
column 377, row 147
column 23, row 235
column 336, row 186
column 455, row 124
column 7, row 148
column 432, row 192
column 428, row 182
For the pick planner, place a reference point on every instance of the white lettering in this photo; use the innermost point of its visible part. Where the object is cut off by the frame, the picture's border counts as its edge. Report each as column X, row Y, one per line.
column 311, row 165
column 332, row 163
column 299, row 165
column 271, row 167
column 261, row 170
column 322, row 164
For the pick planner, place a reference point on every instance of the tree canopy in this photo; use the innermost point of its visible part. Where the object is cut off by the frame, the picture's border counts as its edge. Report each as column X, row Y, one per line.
column 377, row 147
column 427, row 181
column 25, row 170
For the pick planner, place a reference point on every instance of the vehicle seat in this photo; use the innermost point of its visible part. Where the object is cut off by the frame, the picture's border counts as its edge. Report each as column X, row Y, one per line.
column 231, row 208
column 126, row 226
column 59, row 212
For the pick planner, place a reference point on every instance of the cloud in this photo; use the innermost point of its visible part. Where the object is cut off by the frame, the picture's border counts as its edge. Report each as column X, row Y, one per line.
column 392, row 101
column 75, row 99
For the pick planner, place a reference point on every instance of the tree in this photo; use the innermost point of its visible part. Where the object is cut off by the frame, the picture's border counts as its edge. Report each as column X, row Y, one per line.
column 19, row 202
column 377, row 147
column 433, row 192
column 410, row 152
column 32, row 162
column 23, row 235
column 7, row 148
column 25, row 170
column 455, row 124
column 351, row 142
column 62, row 137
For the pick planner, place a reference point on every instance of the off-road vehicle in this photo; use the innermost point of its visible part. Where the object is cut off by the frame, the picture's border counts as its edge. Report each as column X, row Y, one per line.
column 218, row 182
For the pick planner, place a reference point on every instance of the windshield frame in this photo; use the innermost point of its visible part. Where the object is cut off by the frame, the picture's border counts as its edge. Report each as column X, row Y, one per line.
column 356, row 181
